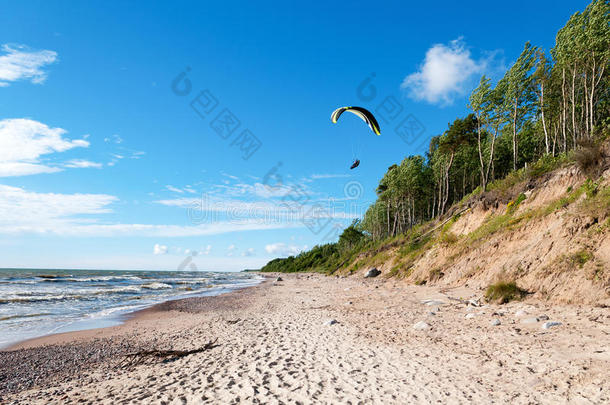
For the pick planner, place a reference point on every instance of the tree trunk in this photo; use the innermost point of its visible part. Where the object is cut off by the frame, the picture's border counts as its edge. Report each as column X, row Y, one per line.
column 515, row 135
column 483, row 178
column 564, row 107
column 546, row 134
column 574, row 106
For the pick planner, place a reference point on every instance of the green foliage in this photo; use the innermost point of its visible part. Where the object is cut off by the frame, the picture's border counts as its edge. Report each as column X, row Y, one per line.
column 351, row 237
column 513, row 205
column 581, row 257
column 504, row 292
column 319, row 259
column 591, row 188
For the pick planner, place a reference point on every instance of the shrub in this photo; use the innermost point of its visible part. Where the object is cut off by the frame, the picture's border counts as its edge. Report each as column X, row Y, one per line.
column 588, row 156
column 581, row 257
column 591, row 188
column 503, row 292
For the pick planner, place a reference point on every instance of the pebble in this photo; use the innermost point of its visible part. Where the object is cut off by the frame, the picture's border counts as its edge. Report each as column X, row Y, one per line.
column 432, row 302
column 470, row 316
column 550, row 324
column 421, row 325
column 279, row 279
column 543, row 318
column 495, row 322
column 520, row 313
column 331, row 322
column 529, row 320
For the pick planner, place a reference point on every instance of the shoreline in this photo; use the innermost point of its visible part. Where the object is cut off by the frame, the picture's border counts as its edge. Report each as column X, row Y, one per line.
column 80, row 334
column 274, row 343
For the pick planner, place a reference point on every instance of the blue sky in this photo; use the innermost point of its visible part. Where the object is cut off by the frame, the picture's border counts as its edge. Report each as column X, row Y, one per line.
column 104, row 162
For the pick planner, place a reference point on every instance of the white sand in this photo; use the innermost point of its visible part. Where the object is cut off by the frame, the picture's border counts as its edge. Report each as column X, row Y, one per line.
column 274, row 347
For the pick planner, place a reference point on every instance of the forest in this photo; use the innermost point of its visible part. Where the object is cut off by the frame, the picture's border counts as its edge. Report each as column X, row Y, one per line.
column 547, row 109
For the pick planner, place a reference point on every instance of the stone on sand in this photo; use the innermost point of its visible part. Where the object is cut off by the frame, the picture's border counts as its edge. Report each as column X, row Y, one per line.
column 432, row 302
column 421, row 325
column 372, row 273
column 279, row 279
column 331, row 322
column 520, row 313
column 550, row 324
column 529, row 320
column 470, row 315
column 495, row 322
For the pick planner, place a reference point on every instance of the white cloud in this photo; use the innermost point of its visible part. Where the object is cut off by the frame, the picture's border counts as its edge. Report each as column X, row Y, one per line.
column 445, row 73
column 20, row 63
column 24, row 141
column 248, row 252
column 113, row 139
column 174, row 189
column 159, row 249
column 82, row 164
column 283, row 249
column 23, row 211
column 328, row 176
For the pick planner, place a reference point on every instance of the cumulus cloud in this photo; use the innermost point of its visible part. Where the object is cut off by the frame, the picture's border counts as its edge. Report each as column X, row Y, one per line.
column 283, row 249
column 18, row 62
column 207, row 250
column 445, row 73
column 23, row 142
column 159, row 249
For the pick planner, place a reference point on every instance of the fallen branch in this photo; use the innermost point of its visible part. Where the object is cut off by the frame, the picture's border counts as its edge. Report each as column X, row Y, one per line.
column 150, row 356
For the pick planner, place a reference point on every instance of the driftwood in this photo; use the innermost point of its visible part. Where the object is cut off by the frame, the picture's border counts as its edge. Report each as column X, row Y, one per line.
column 150, row 356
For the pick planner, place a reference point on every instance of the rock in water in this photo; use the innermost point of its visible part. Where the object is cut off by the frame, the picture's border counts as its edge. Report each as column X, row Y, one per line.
column 495, row 322
column 550, row 324
column 421, row 325
column 372, row 273
column 330, row 322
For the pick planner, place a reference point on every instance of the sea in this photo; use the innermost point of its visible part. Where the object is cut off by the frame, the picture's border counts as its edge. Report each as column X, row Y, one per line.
column 35, row 302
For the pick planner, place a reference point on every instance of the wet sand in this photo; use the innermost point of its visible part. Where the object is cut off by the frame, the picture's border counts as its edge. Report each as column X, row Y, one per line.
column 274, row 344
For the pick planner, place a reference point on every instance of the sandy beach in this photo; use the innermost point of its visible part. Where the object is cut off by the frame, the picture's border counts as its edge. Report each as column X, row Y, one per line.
column 274, row 344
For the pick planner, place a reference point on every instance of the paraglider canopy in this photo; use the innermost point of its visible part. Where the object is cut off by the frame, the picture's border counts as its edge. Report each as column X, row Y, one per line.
column 363, row 113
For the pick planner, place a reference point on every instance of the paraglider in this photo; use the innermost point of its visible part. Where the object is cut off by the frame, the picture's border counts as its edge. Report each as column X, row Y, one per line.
column 365, row 115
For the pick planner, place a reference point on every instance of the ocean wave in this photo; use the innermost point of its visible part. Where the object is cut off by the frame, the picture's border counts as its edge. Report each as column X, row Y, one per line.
column 9, row 317
column 39, row 298
column 156, row 286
